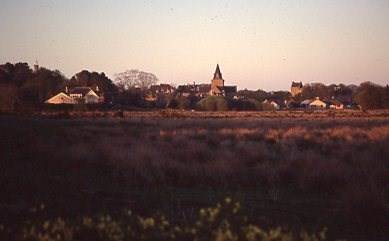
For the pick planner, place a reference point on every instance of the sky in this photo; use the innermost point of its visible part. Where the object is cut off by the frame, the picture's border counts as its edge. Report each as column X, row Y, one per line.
column 258, row 44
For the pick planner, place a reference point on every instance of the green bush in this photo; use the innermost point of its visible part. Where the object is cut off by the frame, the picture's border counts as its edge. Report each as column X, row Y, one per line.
column 213, row 103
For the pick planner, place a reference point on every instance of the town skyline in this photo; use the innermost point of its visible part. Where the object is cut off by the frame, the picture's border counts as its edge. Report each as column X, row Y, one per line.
column 258, row 45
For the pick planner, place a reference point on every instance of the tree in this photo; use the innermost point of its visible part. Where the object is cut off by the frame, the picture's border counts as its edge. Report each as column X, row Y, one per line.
column 43, row 85
column 135, row 79
column 247, row 105
column 369, row 96
column 259, row 95
column 345, row 93
column 311, row 91
column 165, row 100
column 183, row 103
column 16, row 74
column 131, row 97
column 93, row 80
column 213, row 103
column 22, row 72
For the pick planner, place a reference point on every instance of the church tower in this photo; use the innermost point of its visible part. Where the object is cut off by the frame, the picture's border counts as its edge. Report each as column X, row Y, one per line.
column 217, row 82
column 218, row 74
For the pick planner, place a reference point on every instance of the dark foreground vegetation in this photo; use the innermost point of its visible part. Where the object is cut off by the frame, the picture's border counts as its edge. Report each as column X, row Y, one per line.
column 79, row 177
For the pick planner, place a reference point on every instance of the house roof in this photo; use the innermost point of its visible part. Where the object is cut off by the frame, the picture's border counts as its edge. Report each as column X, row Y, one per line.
column 277, row 102
column 227, row 89
column 317, row 102
column 306, row 102
column 185, row 88
column 334, row 102
column 204, row 88
column 61, row 98
column 161, row 87
column 81, row 90
column 230, row 89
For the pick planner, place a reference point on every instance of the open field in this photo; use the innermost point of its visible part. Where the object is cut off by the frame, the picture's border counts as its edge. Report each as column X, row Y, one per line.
column 168, row 113
column 301, row 170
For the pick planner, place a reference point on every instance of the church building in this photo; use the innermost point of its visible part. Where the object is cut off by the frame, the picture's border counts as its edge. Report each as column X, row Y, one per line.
column 218, row 87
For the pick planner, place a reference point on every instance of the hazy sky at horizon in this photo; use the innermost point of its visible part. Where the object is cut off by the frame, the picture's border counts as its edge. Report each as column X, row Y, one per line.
column 258, row 44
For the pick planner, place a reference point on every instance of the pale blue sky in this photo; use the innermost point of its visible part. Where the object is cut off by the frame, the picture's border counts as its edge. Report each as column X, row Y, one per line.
column 258, row 44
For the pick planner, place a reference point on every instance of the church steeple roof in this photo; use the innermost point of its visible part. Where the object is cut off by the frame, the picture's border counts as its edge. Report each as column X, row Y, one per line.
column 218, row 74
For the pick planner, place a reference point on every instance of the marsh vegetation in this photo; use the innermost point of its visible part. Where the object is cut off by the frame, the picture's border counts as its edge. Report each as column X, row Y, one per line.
column 299, row 170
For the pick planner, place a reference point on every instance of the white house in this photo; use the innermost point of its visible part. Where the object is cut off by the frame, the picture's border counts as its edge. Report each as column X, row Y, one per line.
column 317, row 104
column 61, row 98
column 85, row 94
column 274, row 104
column 334, row 104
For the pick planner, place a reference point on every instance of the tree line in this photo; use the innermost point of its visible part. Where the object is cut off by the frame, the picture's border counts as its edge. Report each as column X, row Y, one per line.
column 22, row 88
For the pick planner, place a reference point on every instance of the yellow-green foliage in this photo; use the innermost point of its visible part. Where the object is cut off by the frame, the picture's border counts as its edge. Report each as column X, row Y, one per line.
column 224, row 222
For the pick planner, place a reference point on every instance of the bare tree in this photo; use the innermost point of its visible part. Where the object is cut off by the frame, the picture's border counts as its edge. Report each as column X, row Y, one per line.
column 135, row 79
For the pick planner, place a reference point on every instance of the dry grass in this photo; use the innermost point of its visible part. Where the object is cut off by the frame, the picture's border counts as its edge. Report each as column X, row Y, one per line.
column 342, row 162
column 169, row 113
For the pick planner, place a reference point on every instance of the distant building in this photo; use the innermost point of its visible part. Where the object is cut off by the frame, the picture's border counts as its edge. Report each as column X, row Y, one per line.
column 291, row 104
column 161, row 89
column 305, row 103
column 217, row 82
column 275, row 105
column 85, row 94
column 61, row 98
column 218, row 87
column 186, row 90
column 296, row 88
column 317, row 104
column 334, row 104
column 203, row 90
column 156, row 90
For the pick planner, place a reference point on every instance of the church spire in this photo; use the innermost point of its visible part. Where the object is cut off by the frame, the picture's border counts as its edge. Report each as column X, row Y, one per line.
column 218, row 74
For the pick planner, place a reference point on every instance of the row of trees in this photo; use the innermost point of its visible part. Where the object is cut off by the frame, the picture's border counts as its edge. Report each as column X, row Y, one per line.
column 21, row 87
column 372, row 96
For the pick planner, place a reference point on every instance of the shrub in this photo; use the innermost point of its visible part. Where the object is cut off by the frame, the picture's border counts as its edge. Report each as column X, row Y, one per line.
column 224, row 222
column 213, row 103
column 247, row 105
column 183, row 102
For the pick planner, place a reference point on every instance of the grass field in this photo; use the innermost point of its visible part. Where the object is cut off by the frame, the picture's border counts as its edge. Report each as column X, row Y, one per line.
column 300, row 169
